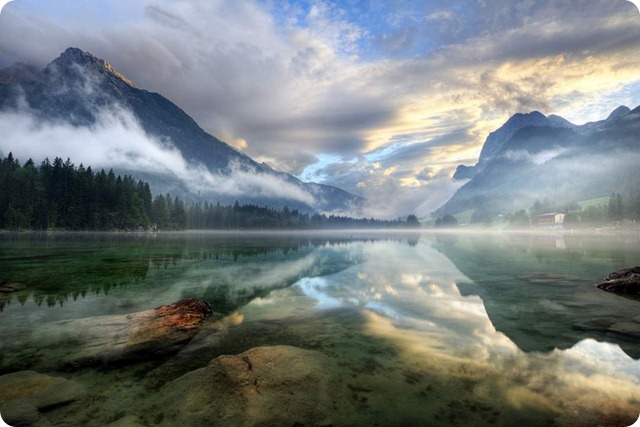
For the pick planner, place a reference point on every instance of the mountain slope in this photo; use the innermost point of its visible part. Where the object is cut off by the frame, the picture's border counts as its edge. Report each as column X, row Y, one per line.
column 497, row 138
column 79, row 89
column 558, row 161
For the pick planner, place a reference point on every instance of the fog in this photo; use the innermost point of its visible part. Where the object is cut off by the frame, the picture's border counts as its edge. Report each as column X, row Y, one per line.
column 559, row 175
column 117, row 140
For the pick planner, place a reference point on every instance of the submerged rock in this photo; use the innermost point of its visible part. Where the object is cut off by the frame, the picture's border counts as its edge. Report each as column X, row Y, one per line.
column 7, row 287
column 21, row 413
column 278, row 385
column 128, row 421
column 24, row 394
column 625, row 281
column 126, row 338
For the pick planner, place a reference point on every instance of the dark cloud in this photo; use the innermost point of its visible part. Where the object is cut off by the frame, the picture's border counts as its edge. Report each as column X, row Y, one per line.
column 167, row 19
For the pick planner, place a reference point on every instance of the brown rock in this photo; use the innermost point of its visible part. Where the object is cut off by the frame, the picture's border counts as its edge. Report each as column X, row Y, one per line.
column 43, row 390
column 267, row 386
column 20, row 413
column 626, row 328
column 24, row 394
column 625, row 281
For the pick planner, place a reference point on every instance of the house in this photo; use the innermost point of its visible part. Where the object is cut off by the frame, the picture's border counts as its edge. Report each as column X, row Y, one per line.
column 551, row 219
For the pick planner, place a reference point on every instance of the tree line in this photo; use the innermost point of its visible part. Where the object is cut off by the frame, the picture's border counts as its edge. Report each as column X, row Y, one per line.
column 60, row 195
column 216, row 216
column 619, row 209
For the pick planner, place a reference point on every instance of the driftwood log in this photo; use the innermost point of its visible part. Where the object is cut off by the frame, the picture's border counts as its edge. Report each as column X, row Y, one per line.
column 126, row 338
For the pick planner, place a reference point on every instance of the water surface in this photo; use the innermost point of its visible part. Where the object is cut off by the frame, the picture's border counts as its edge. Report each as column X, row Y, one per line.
column 420, row 328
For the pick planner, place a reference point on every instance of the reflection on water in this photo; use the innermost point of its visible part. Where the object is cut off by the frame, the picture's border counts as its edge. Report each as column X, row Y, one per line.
column 438, row 329
column 140, row 271
column 416, row 304
column 539, row 291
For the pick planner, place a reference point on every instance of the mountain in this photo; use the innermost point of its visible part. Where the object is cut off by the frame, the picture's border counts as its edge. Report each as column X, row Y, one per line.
column 497, row 138
column 536, row 157
column 78, row 89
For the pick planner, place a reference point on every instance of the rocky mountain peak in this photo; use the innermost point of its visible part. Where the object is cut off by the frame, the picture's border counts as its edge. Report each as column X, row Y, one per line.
column 560, row 122
column 622, row 110
column 525, row 118
column 72, row 58
column 77, row 87
column 496, row 139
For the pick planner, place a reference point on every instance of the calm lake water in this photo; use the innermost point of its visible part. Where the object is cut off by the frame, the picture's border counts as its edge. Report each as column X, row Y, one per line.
column 417, row 328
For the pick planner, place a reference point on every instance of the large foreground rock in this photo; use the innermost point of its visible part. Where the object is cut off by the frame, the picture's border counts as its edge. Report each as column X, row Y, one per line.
column 126, row 338
column 265, row 386
column 626, row 282
column 25, row 394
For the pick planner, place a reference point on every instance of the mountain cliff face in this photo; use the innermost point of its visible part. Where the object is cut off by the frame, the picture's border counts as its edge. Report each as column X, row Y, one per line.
column 497, row 138
column 535, row 157
column 77, row 88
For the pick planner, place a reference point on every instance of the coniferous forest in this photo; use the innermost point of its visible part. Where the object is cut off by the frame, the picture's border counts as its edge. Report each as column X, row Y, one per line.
column 61, row 196
column 216, row 216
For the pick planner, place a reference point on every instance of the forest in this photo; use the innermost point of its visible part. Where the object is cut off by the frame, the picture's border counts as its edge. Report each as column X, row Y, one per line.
column 217, row 216
column 61, row 196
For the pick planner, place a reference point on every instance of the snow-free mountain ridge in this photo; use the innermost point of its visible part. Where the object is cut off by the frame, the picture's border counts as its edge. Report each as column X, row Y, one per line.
column 533, row 156
column 77, row 87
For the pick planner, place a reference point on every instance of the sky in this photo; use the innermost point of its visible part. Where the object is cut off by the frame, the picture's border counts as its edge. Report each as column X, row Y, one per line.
column 383, row 98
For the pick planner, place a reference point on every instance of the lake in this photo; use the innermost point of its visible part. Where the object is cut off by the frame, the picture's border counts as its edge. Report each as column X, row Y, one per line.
column 351, row 328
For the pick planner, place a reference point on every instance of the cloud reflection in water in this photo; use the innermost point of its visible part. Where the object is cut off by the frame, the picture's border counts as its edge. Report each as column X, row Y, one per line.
column 409, row 297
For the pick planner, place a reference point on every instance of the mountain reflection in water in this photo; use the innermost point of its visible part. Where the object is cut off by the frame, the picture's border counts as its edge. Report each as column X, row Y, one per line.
column 447, row 329
column 529, row 320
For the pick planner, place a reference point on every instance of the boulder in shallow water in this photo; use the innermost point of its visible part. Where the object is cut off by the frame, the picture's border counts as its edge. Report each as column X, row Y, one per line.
column 21, row 413
column 625, row 281
column 24, row 394
column 278, row 385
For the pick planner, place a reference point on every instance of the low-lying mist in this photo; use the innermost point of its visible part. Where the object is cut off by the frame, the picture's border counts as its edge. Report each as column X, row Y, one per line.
column 559, row 176
column 117, row 140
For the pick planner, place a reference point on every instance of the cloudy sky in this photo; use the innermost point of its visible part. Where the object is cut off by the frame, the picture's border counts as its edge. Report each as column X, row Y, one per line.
column 381, row 97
